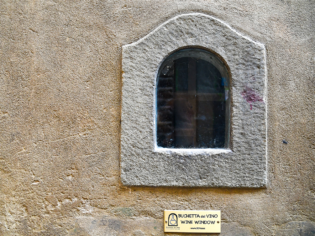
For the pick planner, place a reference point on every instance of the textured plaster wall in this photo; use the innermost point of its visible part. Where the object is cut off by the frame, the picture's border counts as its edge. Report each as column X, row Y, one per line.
column 60, row 102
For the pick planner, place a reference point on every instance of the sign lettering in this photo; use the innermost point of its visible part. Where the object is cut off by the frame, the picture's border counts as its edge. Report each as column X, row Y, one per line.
column 192, row 221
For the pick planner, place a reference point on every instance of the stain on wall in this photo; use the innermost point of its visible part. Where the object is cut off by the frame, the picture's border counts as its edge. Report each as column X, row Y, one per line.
column 251, row 96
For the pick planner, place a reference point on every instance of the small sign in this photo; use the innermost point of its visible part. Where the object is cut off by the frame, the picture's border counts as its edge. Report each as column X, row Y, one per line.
column 192, row 221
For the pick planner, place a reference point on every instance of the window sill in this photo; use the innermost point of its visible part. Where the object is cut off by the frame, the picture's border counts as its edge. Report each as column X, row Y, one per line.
column 192, row 151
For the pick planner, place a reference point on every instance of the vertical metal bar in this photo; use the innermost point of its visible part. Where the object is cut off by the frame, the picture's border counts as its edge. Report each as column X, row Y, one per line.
column 192, row 95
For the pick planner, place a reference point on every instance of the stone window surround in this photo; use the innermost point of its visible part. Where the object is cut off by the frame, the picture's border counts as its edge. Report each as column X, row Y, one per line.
column 145, row 164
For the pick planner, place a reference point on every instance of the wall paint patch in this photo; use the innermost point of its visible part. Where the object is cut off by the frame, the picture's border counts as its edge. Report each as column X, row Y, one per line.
column 251, row 96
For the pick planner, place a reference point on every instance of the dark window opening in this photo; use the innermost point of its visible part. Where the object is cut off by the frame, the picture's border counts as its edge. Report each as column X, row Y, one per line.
column 193, row 101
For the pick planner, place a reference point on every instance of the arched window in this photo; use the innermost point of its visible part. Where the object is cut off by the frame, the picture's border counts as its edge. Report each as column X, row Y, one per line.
column 193, row 101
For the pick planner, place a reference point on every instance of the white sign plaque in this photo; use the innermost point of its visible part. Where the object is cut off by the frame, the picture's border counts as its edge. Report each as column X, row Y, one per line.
column 192, row 221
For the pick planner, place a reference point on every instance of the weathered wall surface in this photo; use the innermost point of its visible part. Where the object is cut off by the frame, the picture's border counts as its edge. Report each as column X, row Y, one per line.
column 60, row 97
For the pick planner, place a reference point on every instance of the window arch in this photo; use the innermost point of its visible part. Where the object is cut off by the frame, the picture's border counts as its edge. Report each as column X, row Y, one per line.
column 193, row 101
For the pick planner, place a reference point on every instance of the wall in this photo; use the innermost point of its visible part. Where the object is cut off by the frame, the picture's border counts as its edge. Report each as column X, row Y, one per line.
column 60, row 82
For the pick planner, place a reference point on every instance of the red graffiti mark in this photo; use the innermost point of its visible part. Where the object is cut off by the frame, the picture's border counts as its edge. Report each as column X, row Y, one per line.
column 250, row 96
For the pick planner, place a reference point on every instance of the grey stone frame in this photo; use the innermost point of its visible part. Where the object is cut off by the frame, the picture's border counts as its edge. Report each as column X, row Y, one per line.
column 244, row 164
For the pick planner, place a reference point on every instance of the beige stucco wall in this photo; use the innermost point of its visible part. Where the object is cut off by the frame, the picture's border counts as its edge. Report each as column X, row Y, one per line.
column 60, row 97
